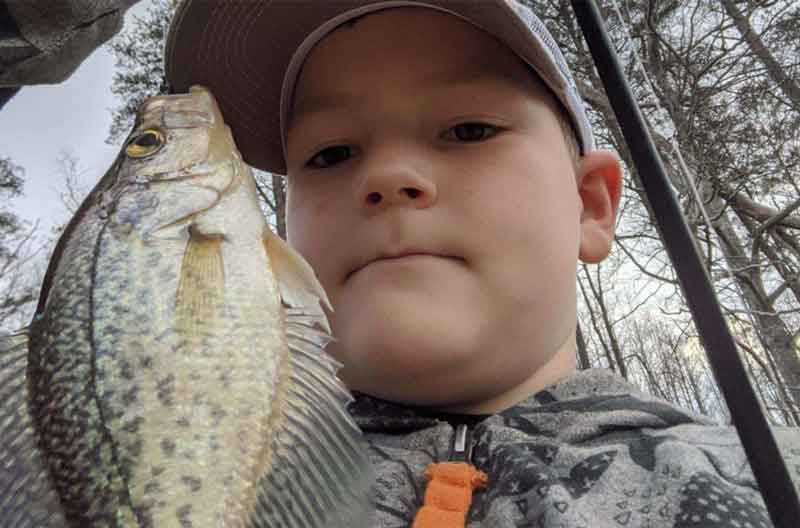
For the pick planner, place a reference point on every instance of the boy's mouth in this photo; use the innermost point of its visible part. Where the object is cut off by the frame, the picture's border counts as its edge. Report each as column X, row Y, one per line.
column 399, row 255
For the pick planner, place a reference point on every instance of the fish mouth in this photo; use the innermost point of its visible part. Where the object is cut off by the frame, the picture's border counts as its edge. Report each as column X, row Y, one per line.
column 401, row 255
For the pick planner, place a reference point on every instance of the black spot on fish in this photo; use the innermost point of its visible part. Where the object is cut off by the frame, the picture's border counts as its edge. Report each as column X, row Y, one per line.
column 146, row 362
column 183, row 514
column 152, row 487
column 136, row 448
column 144, row 296
column 143, row 513
column 183, row 421
column 225, row 378
column 168, row 447
column 193, row 483
column 131, row 396
column 166, row 335
column 136, row 348
column 217, row 415
column 126, row 370
column 157, row 470
column 110, row 332
column 165, row 388
column 133, row 425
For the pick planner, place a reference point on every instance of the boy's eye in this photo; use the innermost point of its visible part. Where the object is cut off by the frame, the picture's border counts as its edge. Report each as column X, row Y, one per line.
column 330, row 156
column 472, row 131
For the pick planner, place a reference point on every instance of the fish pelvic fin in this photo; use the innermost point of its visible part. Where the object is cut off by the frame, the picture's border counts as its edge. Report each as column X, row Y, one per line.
column 27, row 497
column 201, row 285
column 319, row 474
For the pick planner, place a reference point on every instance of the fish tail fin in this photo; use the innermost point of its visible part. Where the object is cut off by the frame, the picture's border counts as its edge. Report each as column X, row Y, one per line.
column 27, row 497
column 320, row 473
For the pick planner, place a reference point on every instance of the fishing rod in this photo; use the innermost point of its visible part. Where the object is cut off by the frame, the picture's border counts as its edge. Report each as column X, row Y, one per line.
column 757, row 439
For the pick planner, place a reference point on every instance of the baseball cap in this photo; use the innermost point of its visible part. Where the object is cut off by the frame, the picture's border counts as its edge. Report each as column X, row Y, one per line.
column 250, row 53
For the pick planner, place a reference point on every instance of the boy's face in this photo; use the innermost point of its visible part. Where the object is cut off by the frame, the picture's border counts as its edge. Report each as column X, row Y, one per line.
column 431, row 189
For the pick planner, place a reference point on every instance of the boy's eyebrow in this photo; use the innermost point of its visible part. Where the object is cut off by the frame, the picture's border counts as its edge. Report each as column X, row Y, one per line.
column 322, row 103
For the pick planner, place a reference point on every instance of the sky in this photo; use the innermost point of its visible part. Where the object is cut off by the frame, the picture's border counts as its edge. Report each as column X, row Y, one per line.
column 41, row 122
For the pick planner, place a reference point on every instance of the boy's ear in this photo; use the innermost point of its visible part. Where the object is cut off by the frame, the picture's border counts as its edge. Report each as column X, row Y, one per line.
column 599, row 186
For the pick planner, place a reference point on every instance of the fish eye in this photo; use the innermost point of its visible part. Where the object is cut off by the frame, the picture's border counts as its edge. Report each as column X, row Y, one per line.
column 145, row 144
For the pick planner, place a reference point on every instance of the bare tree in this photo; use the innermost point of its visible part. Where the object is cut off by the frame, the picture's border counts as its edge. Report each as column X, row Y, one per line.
column 73, row 191
column 705, row 78
column 18, row 247
column 776, row 71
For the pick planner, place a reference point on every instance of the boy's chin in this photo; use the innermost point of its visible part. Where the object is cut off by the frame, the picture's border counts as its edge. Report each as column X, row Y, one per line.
column 410, row 310
column 396, row 351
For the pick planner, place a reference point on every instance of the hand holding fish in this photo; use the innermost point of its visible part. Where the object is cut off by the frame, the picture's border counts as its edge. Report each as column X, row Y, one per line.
column 174, row 373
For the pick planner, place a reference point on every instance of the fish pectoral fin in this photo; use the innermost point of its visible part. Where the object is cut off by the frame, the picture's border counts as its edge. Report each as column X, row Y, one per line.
column 201, row 285
column 296, row 280
column 27, row 498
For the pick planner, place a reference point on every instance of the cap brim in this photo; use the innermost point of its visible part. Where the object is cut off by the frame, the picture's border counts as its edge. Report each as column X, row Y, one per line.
column 241, row 51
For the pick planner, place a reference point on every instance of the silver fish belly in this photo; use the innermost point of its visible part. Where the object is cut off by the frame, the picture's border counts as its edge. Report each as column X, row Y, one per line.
column 174, row 372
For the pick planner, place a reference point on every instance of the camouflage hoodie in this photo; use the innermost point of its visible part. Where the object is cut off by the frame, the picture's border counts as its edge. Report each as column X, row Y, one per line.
column 591, row 451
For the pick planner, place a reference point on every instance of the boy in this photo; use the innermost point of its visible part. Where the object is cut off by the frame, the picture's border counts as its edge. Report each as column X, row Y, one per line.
column 443, row 182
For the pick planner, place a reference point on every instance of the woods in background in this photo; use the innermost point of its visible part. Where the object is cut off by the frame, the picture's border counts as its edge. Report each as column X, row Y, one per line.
column 719, row 85
column 18, row 282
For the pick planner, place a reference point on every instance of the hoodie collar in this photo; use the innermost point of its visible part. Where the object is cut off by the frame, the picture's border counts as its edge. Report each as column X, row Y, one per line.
column 599, row 393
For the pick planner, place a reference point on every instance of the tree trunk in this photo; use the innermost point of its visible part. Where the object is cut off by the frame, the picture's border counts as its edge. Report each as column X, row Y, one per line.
column 789, row 87
column 769, row 325
column 597, row 293
column 596, row 328
column 583, row 355
column 779, row 262
column 279, row 199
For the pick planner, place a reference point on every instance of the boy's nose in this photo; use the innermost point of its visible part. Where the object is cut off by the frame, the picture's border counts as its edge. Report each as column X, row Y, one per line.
column 398, row 187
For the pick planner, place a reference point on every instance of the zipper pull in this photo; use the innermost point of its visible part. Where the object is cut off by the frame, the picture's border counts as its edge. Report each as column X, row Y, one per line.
column 462, row 444
column 448, row 494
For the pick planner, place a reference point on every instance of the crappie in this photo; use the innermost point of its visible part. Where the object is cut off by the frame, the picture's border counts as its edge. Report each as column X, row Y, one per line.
column 173, row 374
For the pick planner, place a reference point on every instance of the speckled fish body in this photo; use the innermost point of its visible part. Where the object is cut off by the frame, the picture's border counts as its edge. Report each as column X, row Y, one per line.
column 173, row 375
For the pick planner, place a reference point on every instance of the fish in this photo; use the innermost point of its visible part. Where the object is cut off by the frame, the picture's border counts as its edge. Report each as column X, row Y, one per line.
column 174, row 373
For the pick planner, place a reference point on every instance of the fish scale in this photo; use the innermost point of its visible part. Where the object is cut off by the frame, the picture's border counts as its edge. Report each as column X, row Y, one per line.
column 174, row 373
column 180, row 371
column 124, row 349
column 64, row 408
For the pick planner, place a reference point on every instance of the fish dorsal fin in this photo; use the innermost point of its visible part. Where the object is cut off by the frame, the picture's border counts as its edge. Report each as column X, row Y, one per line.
column 27, row 498
column 320, row 474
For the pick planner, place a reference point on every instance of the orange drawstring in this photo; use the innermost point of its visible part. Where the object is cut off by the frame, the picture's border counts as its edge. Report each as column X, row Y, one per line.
column 448, row 495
